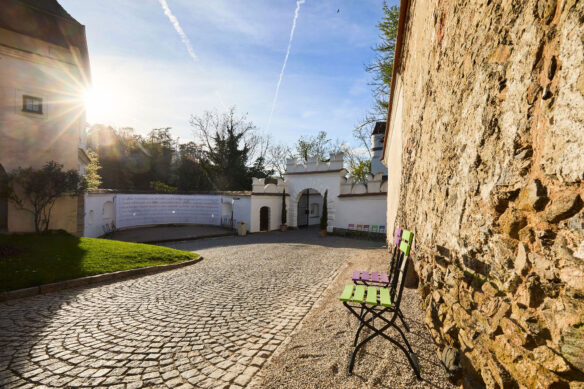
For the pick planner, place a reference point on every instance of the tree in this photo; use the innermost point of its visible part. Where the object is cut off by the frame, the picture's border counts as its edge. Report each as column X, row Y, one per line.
column 324, row 216
column 382, row 71
column 318, row 146
column 36, row 191
column 284, row 211
column 360, row 169
column 160, row 148
column 162, row 187
column 189, row 170
column 276, row 158
column 228, row 141
column 92, row 171
column 382, row 65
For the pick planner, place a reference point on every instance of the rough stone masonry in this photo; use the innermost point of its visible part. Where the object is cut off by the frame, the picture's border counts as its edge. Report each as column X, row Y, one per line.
column 492, row 183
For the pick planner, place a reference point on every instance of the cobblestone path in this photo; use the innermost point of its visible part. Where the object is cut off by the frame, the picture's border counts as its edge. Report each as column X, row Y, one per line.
column 209, row 325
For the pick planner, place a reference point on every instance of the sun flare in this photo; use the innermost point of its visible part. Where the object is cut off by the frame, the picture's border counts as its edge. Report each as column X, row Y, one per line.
column 96, row 102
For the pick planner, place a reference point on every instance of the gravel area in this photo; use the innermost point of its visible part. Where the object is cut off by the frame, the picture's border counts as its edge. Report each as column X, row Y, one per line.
column 317, row 354
column 210, row 325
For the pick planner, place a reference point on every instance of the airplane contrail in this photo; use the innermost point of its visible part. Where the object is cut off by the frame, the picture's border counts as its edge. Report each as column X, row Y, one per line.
column 296, row 12
column 178, row 28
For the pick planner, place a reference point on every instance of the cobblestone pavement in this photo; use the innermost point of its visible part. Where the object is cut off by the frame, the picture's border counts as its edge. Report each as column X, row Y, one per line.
column 209, row 325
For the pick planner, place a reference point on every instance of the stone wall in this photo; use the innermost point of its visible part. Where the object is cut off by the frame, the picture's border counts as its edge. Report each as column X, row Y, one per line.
column 492, row 184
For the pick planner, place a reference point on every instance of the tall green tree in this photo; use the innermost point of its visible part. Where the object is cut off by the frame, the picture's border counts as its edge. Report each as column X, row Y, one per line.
column 228, row 140
column 382, row 66
column 92, row 171
column 189, row 168
column 381, row 70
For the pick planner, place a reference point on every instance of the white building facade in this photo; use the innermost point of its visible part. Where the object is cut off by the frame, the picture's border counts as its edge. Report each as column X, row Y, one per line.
column 359, row 206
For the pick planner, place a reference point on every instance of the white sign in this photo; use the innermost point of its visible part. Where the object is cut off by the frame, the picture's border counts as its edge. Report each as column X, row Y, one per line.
column 140, row 210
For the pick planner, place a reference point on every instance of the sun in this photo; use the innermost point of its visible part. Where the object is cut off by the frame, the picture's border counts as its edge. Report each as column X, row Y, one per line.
column 96, row 102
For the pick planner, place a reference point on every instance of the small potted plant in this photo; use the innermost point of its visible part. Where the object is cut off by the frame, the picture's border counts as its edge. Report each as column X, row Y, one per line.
column 283, row 226
column 324, row 216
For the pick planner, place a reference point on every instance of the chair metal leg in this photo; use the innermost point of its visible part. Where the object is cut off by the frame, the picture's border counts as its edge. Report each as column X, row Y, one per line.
column 401, row 318
column 361, row 317
column 410, row 355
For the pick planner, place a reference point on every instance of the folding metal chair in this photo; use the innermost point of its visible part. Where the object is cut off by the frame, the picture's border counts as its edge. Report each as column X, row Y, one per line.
column 383, row 304
column 361, row 277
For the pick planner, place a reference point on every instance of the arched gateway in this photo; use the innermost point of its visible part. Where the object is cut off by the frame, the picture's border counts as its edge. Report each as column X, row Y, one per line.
column 350, row 205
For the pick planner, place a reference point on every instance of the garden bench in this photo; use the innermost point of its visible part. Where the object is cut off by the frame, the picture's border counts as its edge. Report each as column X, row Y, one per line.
column 367, row 303
column 383, row 279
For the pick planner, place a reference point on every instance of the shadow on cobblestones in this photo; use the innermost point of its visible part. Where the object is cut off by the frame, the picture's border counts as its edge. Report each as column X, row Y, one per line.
column 212, row 324
column 305, row 236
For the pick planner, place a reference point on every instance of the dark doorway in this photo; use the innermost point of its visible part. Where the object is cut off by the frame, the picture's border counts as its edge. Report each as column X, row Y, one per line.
column 303, row 211
column 264, row 219
column 3, row 200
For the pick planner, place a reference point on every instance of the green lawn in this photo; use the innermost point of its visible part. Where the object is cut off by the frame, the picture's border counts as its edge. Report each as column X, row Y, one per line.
column 30, row 259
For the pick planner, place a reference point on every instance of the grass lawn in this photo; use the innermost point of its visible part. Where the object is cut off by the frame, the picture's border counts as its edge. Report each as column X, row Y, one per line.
column 30, row 259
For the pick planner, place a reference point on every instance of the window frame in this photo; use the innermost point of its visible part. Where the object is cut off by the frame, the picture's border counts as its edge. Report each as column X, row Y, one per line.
column 37, row 100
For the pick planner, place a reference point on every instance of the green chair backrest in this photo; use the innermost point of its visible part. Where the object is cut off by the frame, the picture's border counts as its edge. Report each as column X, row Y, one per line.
column 408, row 236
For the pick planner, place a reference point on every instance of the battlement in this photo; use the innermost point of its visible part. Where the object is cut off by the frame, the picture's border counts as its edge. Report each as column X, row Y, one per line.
column 313, row 165
column 259, row 186
column 374, row 184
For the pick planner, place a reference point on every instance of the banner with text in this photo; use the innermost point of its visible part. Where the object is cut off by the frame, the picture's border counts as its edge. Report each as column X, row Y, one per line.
column 140, row 210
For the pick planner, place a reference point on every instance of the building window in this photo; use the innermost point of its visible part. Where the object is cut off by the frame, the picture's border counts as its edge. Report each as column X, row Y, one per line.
column 32, row 104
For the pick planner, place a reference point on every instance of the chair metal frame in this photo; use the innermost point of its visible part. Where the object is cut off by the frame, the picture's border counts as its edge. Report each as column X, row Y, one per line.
column 366, row 312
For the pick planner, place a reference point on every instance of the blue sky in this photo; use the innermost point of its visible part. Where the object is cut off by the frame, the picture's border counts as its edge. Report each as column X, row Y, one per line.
column 144, row 77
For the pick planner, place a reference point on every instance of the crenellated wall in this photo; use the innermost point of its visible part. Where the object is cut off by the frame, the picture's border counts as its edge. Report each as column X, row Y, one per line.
column 373, row 185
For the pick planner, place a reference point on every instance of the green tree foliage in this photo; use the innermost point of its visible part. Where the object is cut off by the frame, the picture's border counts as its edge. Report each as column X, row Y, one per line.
column 121, row 155
column 319, row 147
column 382, row 66
column 324, row 216
column 360, row 169
column 92, row 171
column 162, row 187
column 381, row 70
column 36, row 191
column 189, row 170
column 228, row 142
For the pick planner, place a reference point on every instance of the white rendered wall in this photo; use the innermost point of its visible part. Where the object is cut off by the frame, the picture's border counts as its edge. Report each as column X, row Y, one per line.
column 241, row 209
column 393, row 157
column 361, row 210
column 100, row 210
column 95, row 214
column 297, row 183
column 275, row 205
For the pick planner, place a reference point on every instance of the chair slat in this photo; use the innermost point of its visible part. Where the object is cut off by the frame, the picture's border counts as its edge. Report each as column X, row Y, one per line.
column 384, row 299
column 347, row 293
column 356, row 275
column 374, row 277
column 408, row 236
column 365, row 276
column 371, row 296
column 383, row 278
column 359, row 294
column 404, row 247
